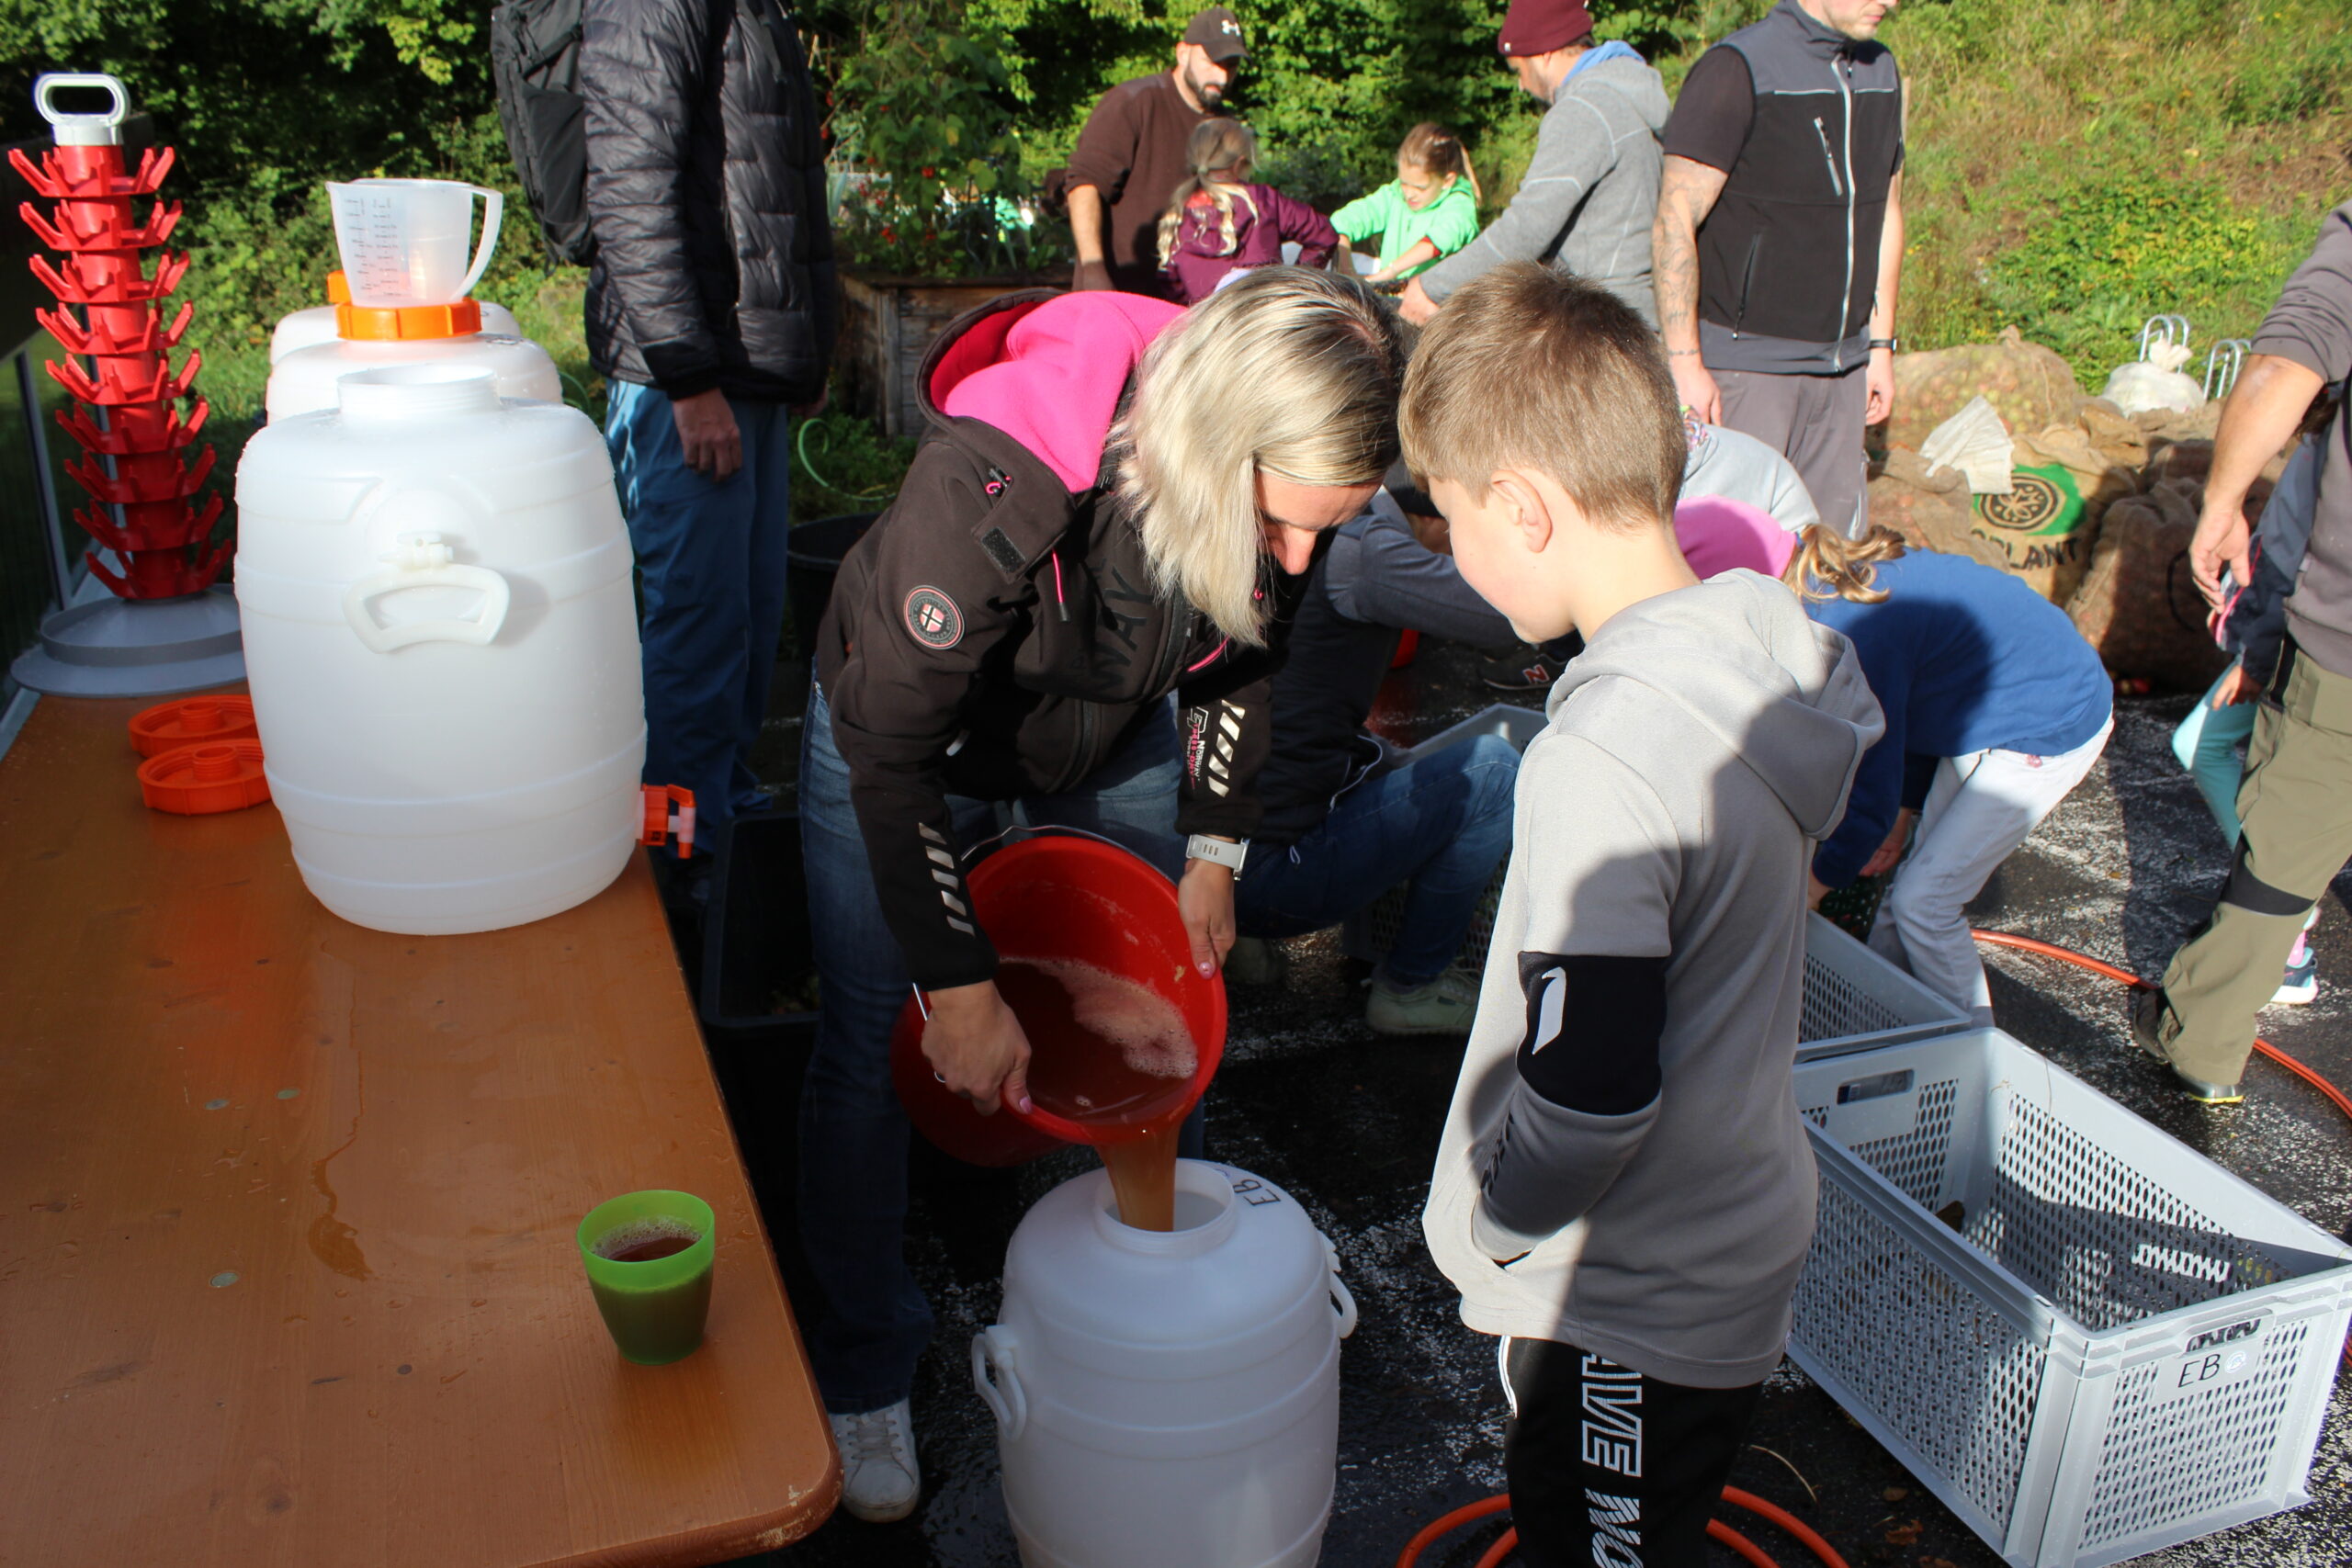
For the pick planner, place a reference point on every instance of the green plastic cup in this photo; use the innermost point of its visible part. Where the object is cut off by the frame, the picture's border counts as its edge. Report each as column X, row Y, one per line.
column 655, row 1307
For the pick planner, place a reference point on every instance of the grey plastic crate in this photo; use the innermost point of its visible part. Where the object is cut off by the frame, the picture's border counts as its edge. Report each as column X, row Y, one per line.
column 2110, row 1346
column 1854, row 999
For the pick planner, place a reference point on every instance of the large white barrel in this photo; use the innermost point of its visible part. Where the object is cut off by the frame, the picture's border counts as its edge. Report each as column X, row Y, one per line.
column 319, row 323
column 1168, row 1399
column 441, row 639
column 304, row 381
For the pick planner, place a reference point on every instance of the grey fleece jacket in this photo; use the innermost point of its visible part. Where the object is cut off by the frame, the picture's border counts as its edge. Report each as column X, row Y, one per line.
column 1590, row 193
column 1697, row 748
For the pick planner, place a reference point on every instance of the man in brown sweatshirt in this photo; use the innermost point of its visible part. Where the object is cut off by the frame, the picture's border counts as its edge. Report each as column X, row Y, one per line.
column 1130, row 156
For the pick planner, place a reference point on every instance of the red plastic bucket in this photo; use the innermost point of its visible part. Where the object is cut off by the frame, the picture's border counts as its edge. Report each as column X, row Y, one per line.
column 1067, row 898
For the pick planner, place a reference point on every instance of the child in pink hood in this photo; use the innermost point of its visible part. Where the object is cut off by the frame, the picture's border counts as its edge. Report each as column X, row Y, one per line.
column 1217, row 223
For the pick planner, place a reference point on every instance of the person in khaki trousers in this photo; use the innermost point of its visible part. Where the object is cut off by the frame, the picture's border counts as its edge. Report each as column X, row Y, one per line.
column 2295, row 804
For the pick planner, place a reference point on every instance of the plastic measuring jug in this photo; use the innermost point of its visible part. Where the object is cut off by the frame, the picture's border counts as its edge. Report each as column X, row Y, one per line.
column 405, row 243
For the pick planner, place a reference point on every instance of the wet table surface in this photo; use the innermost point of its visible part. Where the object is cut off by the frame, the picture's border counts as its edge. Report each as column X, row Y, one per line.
column 288, row 1274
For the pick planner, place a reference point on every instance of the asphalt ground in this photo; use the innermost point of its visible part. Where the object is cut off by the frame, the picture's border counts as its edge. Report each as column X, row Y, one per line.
column 1348, row 1123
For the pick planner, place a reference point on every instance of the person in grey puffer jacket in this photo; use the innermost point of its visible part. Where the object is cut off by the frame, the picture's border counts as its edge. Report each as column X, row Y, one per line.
column 1590, row 196
column 710, row 314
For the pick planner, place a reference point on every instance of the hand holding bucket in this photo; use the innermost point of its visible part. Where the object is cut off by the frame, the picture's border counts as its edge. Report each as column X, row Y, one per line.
column 405, row 243
column 1067, row 899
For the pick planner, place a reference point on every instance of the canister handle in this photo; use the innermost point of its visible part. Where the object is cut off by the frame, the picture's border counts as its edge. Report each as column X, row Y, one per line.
column 996, row 1350
column 83, row 130
column 424, row 561
column 1343, row 1301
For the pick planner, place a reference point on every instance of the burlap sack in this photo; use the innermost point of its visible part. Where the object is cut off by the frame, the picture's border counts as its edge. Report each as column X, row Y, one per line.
column 2120, row 441
column 2029, row 386
column 2061, row 486
column 2139, row 606
column 1929, row 509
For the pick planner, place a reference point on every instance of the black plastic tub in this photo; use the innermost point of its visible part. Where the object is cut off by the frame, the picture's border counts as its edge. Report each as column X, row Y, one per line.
column 812, row 559
column 758, row 975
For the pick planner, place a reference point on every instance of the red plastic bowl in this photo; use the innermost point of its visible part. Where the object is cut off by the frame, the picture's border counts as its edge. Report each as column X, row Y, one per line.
column 1067, row 898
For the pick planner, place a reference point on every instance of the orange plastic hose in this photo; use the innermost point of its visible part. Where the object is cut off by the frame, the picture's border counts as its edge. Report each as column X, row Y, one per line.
column 2083, row 961
column 1509, row 1543
column 1739, row 1544
column 1787, row 1521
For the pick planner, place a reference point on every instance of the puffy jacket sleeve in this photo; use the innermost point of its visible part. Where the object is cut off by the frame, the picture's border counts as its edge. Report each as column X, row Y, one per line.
column 641, row 65
column 926, row 617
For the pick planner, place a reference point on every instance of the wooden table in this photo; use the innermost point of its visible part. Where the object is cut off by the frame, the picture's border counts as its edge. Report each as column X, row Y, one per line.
column 286, row 1267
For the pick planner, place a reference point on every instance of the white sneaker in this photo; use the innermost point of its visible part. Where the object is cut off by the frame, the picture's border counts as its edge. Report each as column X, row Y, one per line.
column 880, row 1482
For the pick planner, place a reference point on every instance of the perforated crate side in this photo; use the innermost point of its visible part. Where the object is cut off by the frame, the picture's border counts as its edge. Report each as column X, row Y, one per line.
column 1854, row 999
column 1916, row 1352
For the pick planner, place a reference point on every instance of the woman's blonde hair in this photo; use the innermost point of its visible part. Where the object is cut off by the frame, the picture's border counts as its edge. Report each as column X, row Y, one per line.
column 1286, row 371
column 1433, row 148
column 1220, row 155
column 1828, row 565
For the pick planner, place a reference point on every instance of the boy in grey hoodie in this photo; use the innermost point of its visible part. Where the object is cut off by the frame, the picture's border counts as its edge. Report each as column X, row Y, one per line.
column 1624, row 1191
column 1590, row 196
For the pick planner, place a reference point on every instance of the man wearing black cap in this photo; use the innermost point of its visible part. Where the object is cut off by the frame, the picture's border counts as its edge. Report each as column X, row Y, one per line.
column 1591, row 190
column 1130, row 156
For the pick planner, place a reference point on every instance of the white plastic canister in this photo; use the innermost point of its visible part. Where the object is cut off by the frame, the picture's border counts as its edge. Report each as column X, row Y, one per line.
column 1168, row 1399
column 318, row 324
column 441, row 639
column 304, row 381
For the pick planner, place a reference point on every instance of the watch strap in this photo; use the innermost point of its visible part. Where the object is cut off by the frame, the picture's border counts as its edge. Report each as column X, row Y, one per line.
column 1200, row 846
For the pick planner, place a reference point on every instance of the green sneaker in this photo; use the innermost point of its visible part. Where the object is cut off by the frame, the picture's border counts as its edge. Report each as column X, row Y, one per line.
column 1447, row 1005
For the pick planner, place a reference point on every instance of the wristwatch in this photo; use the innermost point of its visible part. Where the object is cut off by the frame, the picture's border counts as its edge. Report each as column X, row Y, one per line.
column 1892, row 345
column 1200, row 846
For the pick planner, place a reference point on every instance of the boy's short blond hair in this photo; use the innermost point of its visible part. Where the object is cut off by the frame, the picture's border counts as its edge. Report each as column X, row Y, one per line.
column 1530, row 368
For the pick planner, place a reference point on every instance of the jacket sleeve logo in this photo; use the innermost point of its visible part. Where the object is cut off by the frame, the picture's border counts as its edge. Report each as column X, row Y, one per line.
column 933, row 618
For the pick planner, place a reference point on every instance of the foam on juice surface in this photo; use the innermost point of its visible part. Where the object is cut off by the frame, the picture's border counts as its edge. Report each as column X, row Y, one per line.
column 1148, row 1030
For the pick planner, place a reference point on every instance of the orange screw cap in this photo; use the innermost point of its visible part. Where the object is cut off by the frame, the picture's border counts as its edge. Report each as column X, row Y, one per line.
column 197, row 781
column 401, row 323
column 192, row 721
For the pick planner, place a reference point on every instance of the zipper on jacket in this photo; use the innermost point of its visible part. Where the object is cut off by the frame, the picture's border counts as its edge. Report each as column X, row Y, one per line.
column 1747, row 283
column 1837, row 186
column 1844, row 71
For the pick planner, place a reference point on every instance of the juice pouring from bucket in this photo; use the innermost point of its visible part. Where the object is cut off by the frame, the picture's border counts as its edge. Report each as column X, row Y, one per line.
column 1124, row 1033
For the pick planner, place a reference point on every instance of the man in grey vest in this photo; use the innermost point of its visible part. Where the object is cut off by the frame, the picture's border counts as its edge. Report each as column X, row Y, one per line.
column 1778, row 242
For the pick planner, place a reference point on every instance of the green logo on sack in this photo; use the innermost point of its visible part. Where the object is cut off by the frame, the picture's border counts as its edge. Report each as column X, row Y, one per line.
column 2042, row 501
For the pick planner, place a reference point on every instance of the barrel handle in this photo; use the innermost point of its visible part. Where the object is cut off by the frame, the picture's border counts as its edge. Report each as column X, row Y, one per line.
column 997, row 1350
column 423, row 561
column 83, row 130
column 1343, row 1301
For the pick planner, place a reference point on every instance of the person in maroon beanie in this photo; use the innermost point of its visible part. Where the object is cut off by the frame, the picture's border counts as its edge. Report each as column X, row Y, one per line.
column 1586, row 204
column 1130, row 156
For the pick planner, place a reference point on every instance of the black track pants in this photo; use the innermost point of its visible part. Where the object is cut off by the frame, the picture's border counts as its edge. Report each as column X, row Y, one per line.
column 1609, row 1467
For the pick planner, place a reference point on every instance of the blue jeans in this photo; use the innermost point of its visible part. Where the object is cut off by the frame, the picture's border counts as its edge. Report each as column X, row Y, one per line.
column 710, row 560
column 869, row 1330
column 1443, row 822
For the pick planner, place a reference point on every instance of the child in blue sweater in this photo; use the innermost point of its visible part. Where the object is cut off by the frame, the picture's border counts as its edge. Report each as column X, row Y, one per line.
column 1996, row 708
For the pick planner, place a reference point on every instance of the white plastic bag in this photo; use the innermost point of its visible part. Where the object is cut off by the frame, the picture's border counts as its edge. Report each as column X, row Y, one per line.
column 2156, row 382
column 1976, row 442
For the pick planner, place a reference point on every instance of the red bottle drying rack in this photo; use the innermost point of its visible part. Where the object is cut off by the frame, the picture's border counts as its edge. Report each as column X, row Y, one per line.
column 145, row 475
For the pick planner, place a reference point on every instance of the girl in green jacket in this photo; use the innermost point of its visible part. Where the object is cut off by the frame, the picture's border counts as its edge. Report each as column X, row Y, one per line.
column 1429, row 210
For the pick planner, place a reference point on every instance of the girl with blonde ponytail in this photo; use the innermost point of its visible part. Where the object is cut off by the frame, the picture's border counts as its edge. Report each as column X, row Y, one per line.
column 1218, row 223
column 1995, row 707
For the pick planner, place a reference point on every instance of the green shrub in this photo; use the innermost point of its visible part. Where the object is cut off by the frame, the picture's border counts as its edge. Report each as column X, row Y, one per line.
column 841, row 463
